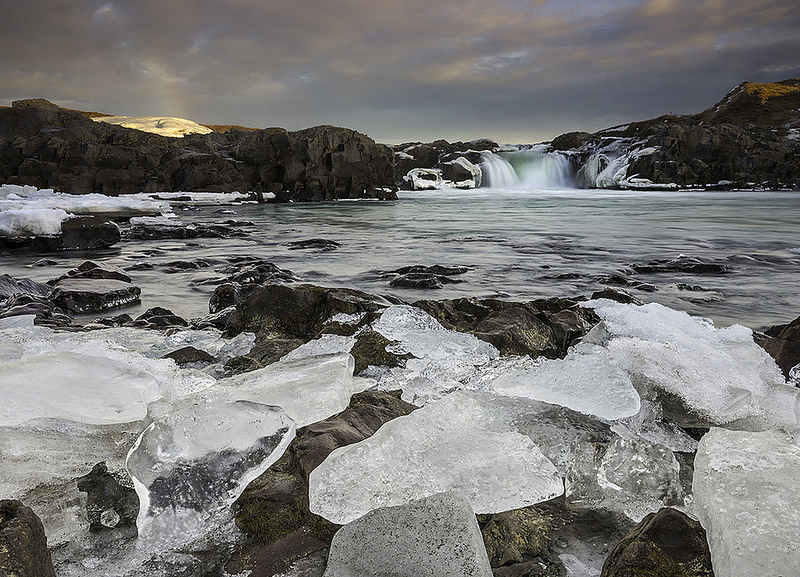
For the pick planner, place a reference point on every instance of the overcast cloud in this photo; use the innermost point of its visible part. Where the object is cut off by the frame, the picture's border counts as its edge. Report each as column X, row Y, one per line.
column 515, row 71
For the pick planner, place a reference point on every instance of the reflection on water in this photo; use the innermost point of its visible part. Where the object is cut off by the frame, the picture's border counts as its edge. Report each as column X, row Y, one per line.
column 518, row 245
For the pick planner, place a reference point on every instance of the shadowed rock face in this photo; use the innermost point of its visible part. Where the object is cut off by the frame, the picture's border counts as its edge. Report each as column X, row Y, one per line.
column 47, row 146
column 23, row 545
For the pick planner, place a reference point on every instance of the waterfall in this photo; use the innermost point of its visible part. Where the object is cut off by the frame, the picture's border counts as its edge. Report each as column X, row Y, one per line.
column 530, row 168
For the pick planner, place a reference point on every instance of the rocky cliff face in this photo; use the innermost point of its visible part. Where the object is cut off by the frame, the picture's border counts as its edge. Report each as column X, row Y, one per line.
column 47, row 146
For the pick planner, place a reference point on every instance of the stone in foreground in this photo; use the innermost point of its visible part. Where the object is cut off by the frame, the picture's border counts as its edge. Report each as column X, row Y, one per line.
column 746, row 490
column 23, row 545
column 433, row 537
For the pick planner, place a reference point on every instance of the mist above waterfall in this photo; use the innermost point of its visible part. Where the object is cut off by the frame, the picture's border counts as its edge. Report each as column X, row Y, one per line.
column 528, row 168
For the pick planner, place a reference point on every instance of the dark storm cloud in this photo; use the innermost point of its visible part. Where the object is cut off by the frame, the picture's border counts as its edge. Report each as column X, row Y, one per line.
column 413, row 69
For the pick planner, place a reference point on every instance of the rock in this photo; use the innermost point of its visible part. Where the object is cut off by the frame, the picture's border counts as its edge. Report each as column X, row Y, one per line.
column 189, row 355
column 782, row 342
column 10, row 286
column 92, row 269
column 81, row 296
column 51, row 147
column 370, row 350
column 77, row 233
column 23, row 544
column 284, row 317
column 512, row 535
column 546, row 327
column 153, row 229
column 664, row 543
column 572, row 140
column 617, row 295
column 315, row 244
column 682, row 264
column 110, row 505
column 273, row 509
column 160, row 317
column 435, row 537
column 462, row 173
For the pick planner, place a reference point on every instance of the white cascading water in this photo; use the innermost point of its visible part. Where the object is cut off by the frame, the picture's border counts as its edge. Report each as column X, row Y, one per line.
column 530, row 168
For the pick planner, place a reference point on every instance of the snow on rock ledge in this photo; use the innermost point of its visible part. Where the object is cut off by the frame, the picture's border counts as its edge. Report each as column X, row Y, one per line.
column 746, row 491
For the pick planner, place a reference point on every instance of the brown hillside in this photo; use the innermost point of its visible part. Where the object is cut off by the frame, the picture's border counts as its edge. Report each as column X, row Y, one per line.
column 760, row 103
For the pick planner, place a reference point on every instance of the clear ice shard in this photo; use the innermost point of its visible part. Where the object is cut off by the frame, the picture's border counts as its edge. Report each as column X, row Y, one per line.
column 442, row 358
column 586, row 380
column 746, row 489
column 448, row 445
column 705, row 376
column 196, row 461
column 629, row 475
column 308, row 389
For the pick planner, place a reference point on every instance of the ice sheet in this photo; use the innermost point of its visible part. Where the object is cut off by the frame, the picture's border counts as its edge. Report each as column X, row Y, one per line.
column 746, row 490
column 445, row 446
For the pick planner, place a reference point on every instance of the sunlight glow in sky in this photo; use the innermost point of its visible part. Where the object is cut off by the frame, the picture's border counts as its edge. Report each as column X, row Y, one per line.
column 512, row 70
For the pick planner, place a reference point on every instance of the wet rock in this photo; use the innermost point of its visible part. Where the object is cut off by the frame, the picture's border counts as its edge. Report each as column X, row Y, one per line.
column 224, row 296
column 10, row 286
column 513, row 535
column 425, row 277
column 284, row 317
column 92, row 269
column 182, row 231
column 255, row 271
column 782, row 342
column 545, row 327
column 434, row 537
column 43, row 309
column 81, row 296
column 682, row 264
column 619, row 296
column 667, row 543
column 370, row 350
column 115, row 321
column 314, row 244
column 160, row 317
column 23, row 544
column 619, row 280
column 189, row 355
column 273, row 510
column 110, row 505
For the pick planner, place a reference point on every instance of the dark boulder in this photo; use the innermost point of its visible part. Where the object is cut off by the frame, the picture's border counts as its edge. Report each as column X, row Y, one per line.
column 160, row 318
column 77, row 233
column 536, row 328
column 273, row 509
column 93, row 270
column 782, row 342
column 314, row 244
column 109, row 504
column 159, row 231
column 81, row 296
column 23, row 544
column 425, row 277
column 370, row 350
column 664, row 544
column 682, row 264
column 188, row 356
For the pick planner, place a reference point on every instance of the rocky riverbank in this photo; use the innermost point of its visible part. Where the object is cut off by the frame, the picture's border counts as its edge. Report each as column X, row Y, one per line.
column 46, row 146
column 620, row 470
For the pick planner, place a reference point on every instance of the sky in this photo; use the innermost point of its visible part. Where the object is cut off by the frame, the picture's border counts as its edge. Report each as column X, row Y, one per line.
column 398, row 70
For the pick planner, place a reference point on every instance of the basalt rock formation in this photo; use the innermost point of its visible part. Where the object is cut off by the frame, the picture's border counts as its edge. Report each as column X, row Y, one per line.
column 46, row 146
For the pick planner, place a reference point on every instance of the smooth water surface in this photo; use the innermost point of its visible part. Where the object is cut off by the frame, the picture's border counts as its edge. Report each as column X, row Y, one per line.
column 519, row 244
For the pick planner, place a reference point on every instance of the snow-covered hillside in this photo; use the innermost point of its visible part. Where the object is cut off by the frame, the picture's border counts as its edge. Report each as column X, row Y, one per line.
column 163, row 125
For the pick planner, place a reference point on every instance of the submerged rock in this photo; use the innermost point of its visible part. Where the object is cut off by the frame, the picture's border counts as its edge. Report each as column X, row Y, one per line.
column 110, row 505
column 23, row 544
column 81, row 296
column 434, row 537
column 664, row 543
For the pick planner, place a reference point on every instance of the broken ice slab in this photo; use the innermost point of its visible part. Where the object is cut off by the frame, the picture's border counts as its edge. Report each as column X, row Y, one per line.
column 447, row 445
column 746, row 490
column 628, row 475
column 442, row 358
column 196, row 461
column 586, row 380
column 703, row 376
column 85, row 379
column 308, row 389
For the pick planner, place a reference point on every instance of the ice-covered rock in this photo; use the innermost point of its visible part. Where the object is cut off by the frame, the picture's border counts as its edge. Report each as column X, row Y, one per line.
column 587, row 380
column 442, row 358
column 434, row 537
column 14, row 197
column 702, row 375
column 447, row 445
column 746, row 490
column 308, row 389
column 31, row 222
column 195, row 461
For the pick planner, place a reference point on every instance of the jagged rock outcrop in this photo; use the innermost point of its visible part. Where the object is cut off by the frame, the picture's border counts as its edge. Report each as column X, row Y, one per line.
column 749, row 139
column 47, row 146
